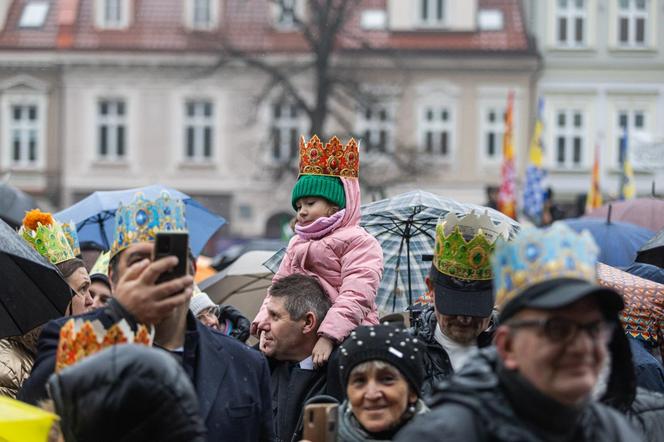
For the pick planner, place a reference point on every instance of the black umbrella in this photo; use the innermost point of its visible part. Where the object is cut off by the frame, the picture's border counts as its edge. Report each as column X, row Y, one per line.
column 652, row 252
column 32, row 290
column 13, row 204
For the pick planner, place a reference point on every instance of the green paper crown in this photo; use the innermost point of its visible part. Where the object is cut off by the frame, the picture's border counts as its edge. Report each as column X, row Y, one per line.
column 46, row 236
column 72, row 237
column 101, row 264
column 464, row 246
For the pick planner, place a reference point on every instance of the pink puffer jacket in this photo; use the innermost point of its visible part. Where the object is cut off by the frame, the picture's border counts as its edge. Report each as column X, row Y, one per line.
column 348, row 263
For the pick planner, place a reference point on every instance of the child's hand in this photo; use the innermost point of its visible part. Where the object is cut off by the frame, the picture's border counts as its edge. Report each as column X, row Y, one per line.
column 322, row 351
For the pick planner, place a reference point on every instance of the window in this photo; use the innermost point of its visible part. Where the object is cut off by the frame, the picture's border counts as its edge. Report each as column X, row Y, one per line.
column 634, row 121
column 199, row 130
column 34, row 14
column 111, row 129
column 24, row 134
column 287, row 123
column 569, row 139
column 493, row 129
column 632, row 23
column 112, row 14
column 571, row 23
column 202, row 13
column 436, row 126
column 431, row 12
column 376, row 126
column 286, row 14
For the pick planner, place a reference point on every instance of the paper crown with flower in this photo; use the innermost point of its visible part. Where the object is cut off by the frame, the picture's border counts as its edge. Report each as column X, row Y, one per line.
column 80, row 338
column 330, row 159
column 46, row 236
column 101, row 264
column 538, row 255
column 142, row 219
column 464, row 245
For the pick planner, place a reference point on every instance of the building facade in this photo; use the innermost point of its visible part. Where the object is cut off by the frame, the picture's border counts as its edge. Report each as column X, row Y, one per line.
column 602, row 76
column 107, row 94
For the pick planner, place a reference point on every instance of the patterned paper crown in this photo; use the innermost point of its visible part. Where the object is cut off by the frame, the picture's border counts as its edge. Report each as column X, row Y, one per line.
column 80, row 339
column 331, row 159
column 46, row 236
column 101, row 264
column 142, row 219
column 538, row 255
column 72, row 237
column 464, row 245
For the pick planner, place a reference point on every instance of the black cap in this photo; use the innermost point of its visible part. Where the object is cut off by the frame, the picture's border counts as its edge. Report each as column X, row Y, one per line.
column 459, row 297
column 560, row 292
column 387, row 343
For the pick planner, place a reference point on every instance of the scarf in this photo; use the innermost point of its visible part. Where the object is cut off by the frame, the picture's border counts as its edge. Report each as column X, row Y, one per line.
column 321, row 227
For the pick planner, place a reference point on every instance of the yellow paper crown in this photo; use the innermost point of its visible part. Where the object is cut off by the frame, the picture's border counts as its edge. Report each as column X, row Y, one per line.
column 46, row 236
column 101, row 264
column 80, row 339
column 331, row 159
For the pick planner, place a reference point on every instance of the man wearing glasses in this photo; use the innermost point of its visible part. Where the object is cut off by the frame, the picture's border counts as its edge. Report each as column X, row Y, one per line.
column 551, row 349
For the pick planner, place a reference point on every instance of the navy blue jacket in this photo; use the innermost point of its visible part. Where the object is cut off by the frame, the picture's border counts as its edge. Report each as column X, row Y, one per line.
column 232, row 381
column 649, row 371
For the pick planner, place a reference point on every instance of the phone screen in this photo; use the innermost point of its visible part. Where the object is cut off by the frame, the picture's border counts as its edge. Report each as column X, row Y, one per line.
column 172, row 244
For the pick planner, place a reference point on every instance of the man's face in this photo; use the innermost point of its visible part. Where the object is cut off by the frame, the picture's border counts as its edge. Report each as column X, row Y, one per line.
column 281, row 336
column 129, row 256
column 461, row 329
column 100, row 293
column 564, row 371
column 209, row 318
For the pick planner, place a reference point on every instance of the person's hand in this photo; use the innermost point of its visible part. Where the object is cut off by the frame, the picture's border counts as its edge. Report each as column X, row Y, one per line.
column 149, row 303
column 322, row 351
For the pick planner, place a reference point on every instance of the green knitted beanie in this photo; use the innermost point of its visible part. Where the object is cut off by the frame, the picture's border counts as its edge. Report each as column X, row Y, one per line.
column 328, row 187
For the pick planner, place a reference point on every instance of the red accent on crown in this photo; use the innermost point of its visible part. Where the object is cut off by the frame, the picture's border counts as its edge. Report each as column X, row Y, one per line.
column 332, row 159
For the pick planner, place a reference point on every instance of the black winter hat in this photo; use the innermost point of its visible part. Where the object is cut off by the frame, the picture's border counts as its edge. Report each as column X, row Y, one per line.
column 387, row 343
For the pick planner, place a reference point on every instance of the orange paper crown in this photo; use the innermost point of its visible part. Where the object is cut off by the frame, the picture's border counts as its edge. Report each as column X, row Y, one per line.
column 80, row 339
column 331, row 159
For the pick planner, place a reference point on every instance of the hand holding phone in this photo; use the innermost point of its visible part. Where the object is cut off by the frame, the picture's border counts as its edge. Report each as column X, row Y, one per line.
column 320, row 422
column 172, row 244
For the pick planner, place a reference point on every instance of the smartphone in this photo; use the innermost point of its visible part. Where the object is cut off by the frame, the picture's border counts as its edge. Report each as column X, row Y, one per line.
column 172, row 244
column 320, row 422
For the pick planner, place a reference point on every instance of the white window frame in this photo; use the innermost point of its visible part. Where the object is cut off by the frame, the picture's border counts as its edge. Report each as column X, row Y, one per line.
column 191, row 22
column 370, row 128
column 631, row 109
column 632, row 15
column 9, row 101
column 433, row 19
column 289, row 128
column 102, row 20
column 443, row 122
column 496, row 127
column 112, row 122
column 279, row 15
column 569, row 133
column 571, row 14
column 199, row 123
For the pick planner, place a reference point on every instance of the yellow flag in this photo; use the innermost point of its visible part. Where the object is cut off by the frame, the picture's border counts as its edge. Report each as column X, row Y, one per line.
column 594, row 198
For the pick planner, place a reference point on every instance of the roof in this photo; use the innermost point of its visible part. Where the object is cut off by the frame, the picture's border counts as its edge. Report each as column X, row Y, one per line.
column 158, row 25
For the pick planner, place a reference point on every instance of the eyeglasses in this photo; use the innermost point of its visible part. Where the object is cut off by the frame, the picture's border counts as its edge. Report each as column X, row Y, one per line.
column 564, row 330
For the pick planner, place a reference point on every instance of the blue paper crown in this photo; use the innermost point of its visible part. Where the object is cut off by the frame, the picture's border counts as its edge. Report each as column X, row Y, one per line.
column 538, row 255
column 142, row 219
column 72, row 237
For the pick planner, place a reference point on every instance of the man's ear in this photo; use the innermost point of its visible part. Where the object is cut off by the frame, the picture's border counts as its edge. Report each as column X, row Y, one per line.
column 504, row 342
column 310, row 323
column 427, row 280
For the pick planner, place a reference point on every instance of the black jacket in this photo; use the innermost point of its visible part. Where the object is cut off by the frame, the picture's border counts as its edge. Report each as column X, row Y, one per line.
column 647, row 414
column 127, row 393
column 232, row 380
column 437, row 364
column 474, row 405
column 292, row 387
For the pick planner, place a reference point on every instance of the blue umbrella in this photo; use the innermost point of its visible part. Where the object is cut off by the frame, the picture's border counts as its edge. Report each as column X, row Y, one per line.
column 95, row 215
column 618, row 241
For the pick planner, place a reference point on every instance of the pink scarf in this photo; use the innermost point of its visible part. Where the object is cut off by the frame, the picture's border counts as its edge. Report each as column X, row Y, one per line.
column 321, row 227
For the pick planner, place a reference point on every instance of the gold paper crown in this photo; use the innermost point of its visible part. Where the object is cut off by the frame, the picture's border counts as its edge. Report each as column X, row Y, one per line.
column 72, row 237
column 101, row 264
column 464, row 246
column 46, row 236
column 331, row 159
column 80, row 339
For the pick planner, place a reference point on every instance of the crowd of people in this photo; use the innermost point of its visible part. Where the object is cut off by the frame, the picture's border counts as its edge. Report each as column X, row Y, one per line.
column 518, row 343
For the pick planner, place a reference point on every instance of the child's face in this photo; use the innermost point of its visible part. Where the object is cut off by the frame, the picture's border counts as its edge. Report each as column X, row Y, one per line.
column 310, row 208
